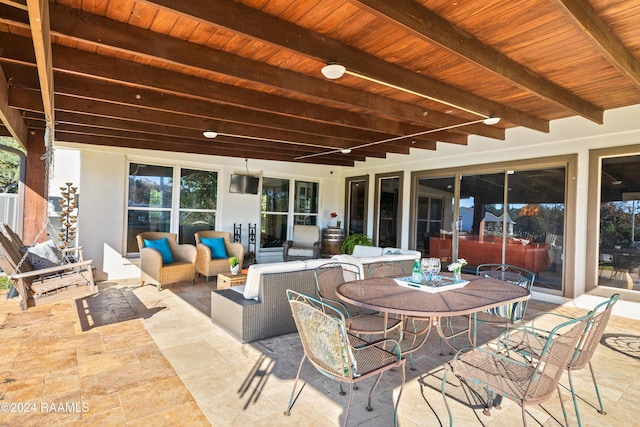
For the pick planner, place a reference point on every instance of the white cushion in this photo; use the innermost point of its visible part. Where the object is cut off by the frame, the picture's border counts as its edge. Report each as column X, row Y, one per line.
column 350, row 259
column 366, row 251
column 252, row 286
column 295, row 251
column 304, row 236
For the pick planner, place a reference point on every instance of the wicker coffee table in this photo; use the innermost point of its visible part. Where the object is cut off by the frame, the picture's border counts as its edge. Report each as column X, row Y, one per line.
column 226, row 281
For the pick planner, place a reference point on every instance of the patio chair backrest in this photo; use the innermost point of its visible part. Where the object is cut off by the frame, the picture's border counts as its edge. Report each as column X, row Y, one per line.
column 556, row 353
column 323, row 333
column 593, row 333
column 329, row 276
column 385, row 269
column 512, row 274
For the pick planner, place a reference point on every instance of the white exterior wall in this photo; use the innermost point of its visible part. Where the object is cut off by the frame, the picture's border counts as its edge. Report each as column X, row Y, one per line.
column 103, row 174
column 103, row 184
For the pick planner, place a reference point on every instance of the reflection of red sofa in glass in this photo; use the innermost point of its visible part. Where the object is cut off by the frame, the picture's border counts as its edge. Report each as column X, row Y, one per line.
column 534, row 257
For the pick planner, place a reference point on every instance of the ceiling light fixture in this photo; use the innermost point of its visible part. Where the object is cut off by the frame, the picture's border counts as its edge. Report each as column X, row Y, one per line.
column 345, row 150
column 210, row 134
column 491, row 121
column 333, row 71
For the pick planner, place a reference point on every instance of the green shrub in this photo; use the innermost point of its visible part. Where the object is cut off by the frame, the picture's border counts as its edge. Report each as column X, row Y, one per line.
column 4, row 282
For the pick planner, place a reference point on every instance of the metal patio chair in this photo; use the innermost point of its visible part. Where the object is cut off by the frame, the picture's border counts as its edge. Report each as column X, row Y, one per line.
column 359, row 321
column 336, row 353
column 530, row 341
column 516, row 378
column 385, row 269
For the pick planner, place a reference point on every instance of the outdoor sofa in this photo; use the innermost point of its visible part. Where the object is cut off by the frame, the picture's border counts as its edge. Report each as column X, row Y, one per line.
column 260, row 309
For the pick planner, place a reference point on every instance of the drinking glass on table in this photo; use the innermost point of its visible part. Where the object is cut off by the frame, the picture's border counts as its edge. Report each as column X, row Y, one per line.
column 431, row 267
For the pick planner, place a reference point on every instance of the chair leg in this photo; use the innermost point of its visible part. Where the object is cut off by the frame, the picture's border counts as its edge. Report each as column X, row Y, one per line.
column 346, row 417
column 573, row 396
column 293, row 392
column 395, row 411
column 595, row 384
column 444, row 397
column 490, row 398
column 564, row 411
column 369, row 407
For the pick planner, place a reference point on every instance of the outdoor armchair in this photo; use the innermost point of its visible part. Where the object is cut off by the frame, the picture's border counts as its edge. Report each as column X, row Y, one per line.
column 169, row 263
column 304, row 245
column 337, row 354
column 214, row 250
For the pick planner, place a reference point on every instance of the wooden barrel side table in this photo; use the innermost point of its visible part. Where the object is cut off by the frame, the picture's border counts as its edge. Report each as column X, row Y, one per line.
column 332, row 239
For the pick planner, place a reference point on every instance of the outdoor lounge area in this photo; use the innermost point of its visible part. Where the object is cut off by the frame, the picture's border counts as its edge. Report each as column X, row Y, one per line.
column 123, row 358
column 186, row 168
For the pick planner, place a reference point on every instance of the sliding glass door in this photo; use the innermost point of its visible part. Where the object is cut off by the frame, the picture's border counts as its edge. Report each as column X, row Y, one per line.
column 511, row 216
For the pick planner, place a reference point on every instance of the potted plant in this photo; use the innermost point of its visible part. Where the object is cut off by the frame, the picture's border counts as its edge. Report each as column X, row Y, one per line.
column 354, row 239
column 234, row 263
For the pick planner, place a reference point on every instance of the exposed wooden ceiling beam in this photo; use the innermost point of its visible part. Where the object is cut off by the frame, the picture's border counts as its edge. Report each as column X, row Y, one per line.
column 28, row 100
column 20, row 4
column 226, row 13
column 584, row 17
column 10, row 117
column 40, row 34
column 84, row 64
column 84, row 27
column 189, row 148
column 422, row 23
column 253, row 146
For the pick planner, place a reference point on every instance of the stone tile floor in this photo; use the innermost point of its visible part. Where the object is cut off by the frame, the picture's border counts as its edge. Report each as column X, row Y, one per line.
column 133, row 356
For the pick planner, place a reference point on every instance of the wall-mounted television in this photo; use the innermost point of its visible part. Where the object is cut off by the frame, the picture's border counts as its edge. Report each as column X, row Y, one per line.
column 245, row 184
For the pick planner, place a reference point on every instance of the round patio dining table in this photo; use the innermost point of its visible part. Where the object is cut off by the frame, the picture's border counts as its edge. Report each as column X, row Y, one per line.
column 383, row 294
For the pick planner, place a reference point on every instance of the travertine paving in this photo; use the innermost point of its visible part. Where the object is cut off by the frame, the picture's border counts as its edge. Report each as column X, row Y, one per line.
column 134, row 356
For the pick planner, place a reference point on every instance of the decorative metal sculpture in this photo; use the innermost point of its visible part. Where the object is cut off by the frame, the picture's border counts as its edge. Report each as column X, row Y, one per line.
column 68, row 215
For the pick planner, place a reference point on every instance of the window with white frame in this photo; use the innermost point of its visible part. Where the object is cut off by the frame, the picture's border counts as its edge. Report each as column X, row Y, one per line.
column 279, row 209
column 170, row 199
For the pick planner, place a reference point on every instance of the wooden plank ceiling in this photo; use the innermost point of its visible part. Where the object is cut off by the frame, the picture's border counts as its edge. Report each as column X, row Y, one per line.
column 419, row 74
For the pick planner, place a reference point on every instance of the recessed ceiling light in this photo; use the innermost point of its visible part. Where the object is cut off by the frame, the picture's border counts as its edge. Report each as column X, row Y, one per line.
column 491, row 121
column 333, row 71
column 210, row 133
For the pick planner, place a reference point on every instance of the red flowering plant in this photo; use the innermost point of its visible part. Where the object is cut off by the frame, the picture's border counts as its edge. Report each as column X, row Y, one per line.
column 335, row 215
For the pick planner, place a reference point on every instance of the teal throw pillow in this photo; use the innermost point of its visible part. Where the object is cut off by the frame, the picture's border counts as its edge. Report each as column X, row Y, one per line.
column 162, row 246
column 216, row 244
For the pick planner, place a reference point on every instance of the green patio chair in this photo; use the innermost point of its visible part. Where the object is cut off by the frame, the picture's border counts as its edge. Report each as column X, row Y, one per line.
column 529, row 340
column 336, row 353
column 510, row 375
